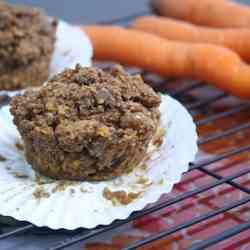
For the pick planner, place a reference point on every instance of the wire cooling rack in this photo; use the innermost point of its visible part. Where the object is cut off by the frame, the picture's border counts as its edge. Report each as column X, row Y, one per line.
column 209, row 208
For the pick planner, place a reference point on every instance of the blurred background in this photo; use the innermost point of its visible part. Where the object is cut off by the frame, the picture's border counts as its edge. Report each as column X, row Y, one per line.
column 82, row 11
column 88, row 11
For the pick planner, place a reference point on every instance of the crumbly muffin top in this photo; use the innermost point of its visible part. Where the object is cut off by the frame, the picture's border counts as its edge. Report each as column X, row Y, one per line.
column 111, row 98
column 25, row 35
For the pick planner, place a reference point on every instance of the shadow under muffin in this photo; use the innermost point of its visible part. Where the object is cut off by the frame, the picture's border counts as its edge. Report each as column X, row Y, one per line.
column 87, row 124
column 27, row 38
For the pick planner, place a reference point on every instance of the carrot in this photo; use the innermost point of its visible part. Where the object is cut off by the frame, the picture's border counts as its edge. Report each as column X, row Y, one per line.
column 235, row 39
column 214, row 13
column 211, row 63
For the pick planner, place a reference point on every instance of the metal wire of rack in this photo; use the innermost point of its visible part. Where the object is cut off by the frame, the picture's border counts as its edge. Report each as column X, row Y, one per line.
column 197, row 107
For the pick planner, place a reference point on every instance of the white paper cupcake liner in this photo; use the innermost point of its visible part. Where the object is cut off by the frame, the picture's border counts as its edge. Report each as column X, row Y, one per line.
column 72, row 46
column 71, row 205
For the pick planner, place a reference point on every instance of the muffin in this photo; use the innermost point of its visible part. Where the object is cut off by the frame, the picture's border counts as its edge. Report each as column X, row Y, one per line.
column 87, row 124
column 27, row 39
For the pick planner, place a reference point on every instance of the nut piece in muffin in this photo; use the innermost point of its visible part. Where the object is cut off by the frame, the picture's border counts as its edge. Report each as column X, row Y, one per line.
column 27, row 39
column 87, row 124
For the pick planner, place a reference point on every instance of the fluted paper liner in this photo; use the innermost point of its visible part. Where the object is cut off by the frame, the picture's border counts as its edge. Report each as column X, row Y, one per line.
column 72, row 46
column 70, row 205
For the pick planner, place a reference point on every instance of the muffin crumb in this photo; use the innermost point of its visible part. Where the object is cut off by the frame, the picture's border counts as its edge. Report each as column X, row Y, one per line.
column 20, row 175
column 120, row 197
column 62, row 186
column 159, row 137
column 83, row 190
column 40, row 193
column 144, row 181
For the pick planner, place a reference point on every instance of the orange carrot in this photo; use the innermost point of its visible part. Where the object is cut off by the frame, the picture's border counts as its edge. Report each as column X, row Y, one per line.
column 214, row 13
column 235, row 39
column 211, row 63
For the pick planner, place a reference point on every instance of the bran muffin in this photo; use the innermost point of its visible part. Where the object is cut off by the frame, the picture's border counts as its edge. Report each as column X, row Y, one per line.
column 27, row 39
column 87, row 124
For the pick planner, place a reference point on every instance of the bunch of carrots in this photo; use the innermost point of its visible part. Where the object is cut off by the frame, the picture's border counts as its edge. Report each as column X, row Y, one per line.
column 206, row 40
